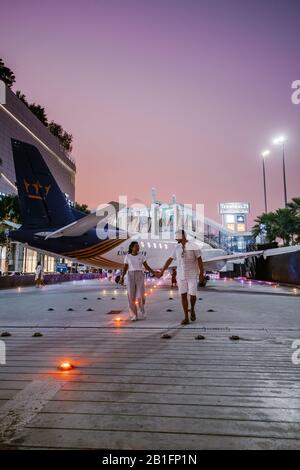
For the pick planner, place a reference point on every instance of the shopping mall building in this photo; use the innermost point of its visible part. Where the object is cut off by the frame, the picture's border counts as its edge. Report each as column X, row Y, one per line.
column 17, row 121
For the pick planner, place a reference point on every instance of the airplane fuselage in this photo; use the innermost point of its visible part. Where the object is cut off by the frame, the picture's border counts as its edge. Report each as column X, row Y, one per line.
column 108, row 252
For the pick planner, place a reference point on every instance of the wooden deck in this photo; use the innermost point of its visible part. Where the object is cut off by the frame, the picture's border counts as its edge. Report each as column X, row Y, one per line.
column 132, row 389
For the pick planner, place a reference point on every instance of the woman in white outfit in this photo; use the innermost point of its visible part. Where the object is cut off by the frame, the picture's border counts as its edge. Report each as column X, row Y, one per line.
column 133, row 265
column 39, row 276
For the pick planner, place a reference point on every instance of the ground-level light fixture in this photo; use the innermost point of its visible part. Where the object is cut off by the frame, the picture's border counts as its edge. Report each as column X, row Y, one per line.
column 65, row 366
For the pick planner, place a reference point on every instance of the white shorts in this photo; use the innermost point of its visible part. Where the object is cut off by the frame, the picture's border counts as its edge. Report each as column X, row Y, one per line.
column 187, row 286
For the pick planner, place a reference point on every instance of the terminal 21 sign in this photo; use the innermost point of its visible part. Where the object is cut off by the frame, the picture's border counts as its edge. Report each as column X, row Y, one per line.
column 234, row 208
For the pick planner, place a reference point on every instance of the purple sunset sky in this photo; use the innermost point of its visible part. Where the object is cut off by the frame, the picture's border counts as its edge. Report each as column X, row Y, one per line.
column 178, row 94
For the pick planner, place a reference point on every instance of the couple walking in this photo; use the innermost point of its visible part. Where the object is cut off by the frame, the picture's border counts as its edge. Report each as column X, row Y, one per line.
column 189, row 268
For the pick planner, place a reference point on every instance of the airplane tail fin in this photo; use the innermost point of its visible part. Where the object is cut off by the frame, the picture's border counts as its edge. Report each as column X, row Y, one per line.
column 42, row 202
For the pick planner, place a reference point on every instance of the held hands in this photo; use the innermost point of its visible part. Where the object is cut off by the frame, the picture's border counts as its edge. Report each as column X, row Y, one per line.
column 157, row 274
column 202, row 280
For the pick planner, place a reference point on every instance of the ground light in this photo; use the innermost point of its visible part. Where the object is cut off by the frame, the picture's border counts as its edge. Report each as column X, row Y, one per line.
column 65, row 366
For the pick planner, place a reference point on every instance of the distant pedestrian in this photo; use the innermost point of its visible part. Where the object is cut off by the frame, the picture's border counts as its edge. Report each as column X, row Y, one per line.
column 133, row 266
column 39, row 275
column 118, row 276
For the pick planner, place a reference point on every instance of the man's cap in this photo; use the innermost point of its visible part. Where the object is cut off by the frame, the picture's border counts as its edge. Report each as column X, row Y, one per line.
column 179, row 234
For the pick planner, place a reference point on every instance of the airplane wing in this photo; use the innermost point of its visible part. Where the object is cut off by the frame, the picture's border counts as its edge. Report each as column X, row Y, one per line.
column 10, row 224
column 281, row 251
column 251, row 254
column 81, row 226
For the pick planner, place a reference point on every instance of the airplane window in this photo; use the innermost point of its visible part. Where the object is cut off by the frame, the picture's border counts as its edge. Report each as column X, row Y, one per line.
column 160, row 246
column 154, row 245
column 166, row 246
column 149, row 245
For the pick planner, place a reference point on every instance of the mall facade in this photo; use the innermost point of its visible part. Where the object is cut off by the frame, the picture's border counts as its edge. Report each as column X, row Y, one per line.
column 18, row 122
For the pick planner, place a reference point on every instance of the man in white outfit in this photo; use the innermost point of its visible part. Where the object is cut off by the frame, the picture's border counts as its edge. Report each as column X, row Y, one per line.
column 189, row 269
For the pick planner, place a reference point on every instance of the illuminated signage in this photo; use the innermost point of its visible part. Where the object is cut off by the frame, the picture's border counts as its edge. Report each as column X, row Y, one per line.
column 234, row 208
column 240, row 227
column 229, row 219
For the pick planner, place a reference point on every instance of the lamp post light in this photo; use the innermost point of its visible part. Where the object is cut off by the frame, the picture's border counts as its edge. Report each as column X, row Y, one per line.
column 264, row 154
column 281, row 140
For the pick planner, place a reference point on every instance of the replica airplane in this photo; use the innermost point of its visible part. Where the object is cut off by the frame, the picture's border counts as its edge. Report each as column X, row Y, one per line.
column 50, row 225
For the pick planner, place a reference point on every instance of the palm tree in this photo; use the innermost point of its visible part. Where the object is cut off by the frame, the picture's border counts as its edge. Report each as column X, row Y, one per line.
column 265, row 226
column 287, row 225
column 10, row 208
column 295, row 204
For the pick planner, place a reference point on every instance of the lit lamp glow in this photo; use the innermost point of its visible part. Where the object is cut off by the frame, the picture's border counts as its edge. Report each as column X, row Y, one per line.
column 279, row 140
column 65, row 366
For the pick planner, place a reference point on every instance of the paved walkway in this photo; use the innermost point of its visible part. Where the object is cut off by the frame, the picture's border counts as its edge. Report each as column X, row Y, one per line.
column 134, row 389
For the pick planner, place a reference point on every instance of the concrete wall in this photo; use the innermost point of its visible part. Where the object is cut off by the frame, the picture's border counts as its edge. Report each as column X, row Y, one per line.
column 7, row 282
column 279, row 268
column 17, row 121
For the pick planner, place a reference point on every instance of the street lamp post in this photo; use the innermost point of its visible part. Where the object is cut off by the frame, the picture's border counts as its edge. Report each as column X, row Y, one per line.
column 281, row 140
column 264, row 154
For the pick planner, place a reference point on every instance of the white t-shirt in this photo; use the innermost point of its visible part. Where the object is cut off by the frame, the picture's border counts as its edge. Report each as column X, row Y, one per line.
column 187, row 260
column 135, row 262
column 39, row 272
